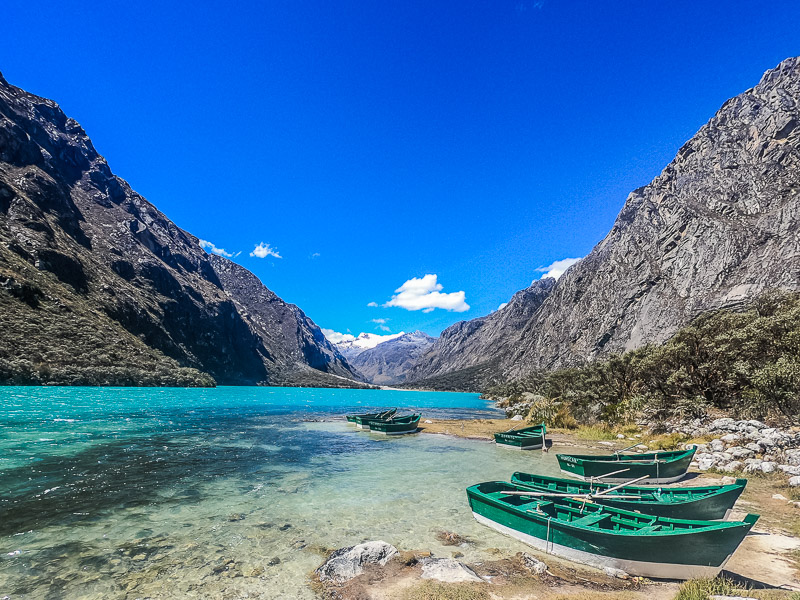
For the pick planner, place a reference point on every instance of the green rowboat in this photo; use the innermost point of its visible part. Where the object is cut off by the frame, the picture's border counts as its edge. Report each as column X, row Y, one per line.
column 603, row 536
column 528, row 438
column 704, row 503
column 660, row 467
column 364, row 422
column 386, row 414
column 396, row 425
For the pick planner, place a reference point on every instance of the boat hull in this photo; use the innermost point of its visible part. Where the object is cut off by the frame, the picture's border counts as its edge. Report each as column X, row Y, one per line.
column 678, row 554
column 668, row 470
column 639, row 568
column 698, row 503
column 400, row 428
column 530, row 438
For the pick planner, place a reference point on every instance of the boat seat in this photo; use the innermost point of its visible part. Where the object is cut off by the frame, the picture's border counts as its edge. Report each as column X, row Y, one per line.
column 590, row 519
column 647, row 529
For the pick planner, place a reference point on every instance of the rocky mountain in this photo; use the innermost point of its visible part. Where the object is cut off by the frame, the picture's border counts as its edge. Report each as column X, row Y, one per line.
column 470, row 343
column 716, row 228
column 99, row 287
column 350, row 349
column 389, row 362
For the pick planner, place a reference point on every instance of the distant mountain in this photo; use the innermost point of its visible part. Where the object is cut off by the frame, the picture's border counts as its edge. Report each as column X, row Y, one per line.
column 470, row 343
column 720, row 225
column 389, row 362
column 99, row 287
column 350, row 349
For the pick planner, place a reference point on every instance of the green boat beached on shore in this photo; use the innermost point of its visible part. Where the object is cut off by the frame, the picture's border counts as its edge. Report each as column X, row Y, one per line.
column 528, row 438
column 660, row 467
column 603, row 536
column 386, row 414
column 378, row 415
column 396, row 425
column 704, row 503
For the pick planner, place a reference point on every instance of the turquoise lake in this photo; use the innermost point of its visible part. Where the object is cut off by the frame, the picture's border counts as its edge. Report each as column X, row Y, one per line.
column 228, row 492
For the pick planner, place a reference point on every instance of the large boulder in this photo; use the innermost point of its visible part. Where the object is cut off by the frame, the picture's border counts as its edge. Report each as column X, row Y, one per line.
column 346, row 563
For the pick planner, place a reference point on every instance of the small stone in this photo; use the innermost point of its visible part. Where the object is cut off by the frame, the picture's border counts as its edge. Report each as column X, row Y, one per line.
column 728, row 480
column 534, row 565
column 733, row 466
column 140, row 557
column 779, row 497
column 789, row 469
column 285, row 527
column 458, row 554
column 274, row 561
column 642, row 447
column 705, row 464
column 768, row 467
column 517, row 418
column 794, row 481
column 256, row 572
column 716, row 446
column 428, row 421
column 447, row 570
column 731, row 438
column 236, row 517
column 620, row 436
column 606, row 443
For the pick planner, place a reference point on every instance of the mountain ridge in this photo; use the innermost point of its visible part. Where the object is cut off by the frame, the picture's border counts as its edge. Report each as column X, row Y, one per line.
column 97, row 286
column 716, row 228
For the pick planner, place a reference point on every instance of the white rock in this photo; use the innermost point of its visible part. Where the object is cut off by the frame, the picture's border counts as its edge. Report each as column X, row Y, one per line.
column 718, row 597
column 790, row 469
column 642, row 447
column 728, row 480
column 757, row 424
column 606, row 443
column 346, row 563
column 734, row 465
column 705, row 464
column 620, row 436
column 767, row 431
column 725, row 424
column 754, row 447
column 768, row 467
column 517, row 418
column 731, row 438
column 752, row 468
column 739, row 452
column 794, row 481
column 779, row 497
column 792, row 457
column 427, row 421
column 447, row 570
column 716, row 446
column 534, row 565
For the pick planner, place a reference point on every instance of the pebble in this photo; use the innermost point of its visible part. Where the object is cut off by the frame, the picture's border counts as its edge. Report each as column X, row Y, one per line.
column 779, row 497
column 794, row 481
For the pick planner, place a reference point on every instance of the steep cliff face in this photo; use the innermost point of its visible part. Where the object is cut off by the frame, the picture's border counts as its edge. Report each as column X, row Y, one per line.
column 298, row 351
column 470, row 343
column 389, row 362
column 715, row 229
column 97, row 285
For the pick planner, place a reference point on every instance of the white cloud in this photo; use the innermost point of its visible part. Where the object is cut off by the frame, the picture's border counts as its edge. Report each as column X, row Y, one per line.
column 206, row 245
column 372, row 304
column 336, row 337
column 380, row 321
column 425, row 294
column 316, row 255
column 558, row 268
column 264, row 250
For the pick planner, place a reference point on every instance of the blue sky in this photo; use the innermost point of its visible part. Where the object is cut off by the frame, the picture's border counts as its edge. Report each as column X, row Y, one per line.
column 369, row 144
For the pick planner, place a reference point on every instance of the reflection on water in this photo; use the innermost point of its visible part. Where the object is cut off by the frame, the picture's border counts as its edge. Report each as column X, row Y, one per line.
column 226, row 493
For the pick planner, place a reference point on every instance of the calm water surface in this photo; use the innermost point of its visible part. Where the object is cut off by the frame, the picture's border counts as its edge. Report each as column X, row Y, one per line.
column 227, row 492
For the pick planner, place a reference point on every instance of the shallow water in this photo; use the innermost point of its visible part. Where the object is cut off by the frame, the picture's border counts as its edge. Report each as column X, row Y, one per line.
column 227, row 492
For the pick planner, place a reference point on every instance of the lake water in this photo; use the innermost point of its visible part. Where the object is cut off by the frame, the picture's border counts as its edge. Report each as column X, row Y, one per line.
column 226, row 492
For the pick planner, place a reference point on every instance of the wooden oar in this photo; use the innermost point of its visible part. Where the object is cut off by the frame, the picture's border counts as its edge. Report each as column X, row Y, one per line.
column 628, row 448
column 621, row 485
column 593, row 477
column 560, row 495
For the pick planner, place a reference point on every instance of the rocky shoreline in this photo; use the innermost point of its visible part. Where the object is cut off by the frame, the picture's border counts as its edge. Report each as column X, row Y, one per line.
column 746, row 446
